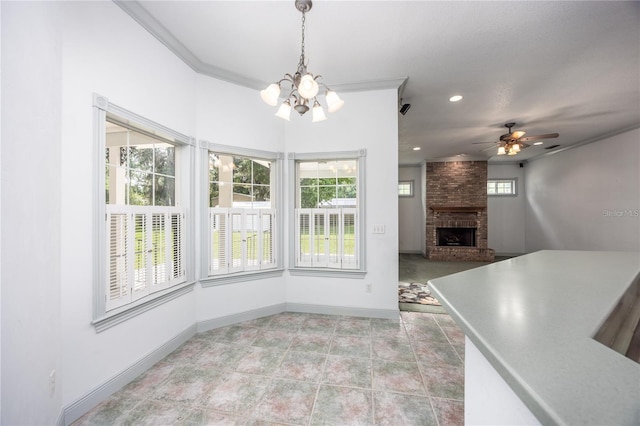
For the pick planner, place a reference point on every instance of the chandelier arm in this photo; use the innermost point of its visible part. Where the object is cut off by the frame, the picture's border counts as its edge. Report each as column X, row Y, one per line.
column 287, row 77
column 293, row 95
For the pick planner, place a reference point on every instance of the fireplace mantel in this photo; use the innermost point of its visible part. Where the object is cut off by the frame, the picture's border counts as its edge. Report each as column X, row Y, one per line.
column 473, row 209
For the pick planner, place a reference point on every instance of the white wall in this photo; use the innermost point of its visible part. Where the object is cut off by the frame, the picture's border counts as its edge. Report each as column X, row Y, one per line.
column 586, row 198
column 231, row 115
column 411, row 223
column 368, row 120
column 106, row 52
column 31, row 211
column 506, row 215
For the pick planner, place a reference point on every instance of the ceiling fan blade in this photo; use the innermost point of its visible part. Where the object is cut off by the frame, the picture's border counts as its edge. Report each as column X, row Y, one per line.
column 480, row 143
column 523, row 145
column 488, row 148
column 517, row 134
column 538, row 137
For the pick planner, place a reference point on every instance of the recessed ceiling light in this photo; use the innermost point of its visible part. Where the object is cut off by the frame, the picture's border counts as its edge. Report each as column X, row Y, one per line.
column 538, row 143
column 417, row 148
column 455, row 98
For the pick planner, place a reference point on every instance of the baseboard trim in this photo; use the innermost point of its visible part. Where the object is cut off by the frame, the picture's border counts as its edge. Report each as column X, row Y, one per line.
column 343, row 310
column 77, row 409
column 212, row 323
column 60, row 419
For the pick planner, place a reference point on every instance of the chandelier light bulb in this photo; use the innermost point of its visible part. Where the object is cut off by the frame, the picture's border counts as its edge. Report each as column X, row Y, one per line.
column 308, row 87
column 318, row 113
column 501, row 151
column 284, row 111
column 270, row 94
column 334, row 102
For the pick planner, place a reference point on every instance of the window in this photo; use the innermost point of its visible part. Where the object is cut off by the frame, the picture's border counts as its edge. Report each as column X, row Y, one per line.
column 405, row 188
column 502, row 187
column 327, row 211
column 142, row 213
column 242, row 220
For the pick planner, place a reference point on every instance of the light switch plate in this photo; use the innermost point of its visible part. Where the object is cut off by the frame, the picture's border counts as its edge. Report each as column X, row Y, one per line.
column 378, row 229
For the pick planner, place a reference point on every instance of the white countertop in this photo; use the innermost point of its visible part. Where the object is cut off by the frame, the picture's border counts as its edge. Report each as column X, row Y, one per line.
column 533, row 318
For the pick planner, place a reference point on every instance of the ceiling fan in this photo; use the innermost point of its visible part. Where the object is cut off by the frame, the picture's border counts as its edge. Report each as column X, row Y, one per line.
column 511, row 143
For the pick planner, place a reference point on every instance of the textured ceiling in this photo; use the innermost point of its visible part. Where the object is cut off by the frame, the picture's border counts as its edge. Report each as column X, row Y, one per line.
column 566, row 67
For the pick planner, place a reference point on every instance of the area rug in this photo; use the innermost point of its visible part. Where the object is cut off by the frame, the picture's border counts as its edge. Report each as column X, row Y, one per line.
column 416, row 293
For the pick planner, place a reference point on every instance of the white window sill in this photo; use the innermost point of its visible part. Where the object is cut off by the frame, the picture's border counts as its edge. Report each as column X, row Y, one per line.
column 129, row 311
column 327, row 272
column 217, row 280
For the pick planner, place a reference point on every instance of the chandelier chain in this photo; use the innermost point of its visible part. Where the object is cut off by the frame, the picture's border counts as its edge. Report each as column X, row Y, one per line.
column 301, row 63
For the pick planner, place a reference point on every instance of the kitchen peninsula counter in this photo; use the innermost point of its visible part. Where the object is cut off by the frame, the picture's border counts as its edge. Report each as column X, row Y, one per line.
column 533, row 318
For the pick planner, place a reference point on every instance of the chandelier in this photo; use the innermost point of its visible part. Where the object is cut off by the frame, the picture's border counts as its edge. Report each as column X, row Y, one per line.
column 303, row 86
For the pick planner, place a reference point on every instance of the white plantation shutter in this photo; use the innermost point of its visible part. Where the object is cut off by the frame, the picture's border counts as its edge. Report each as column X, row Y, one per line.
column 241, row 240
column 333, row 238
column 252, row 236
column 350, row 248
column 117, row 259
column 304, row 242
column 177, row 254
column 140, row 268
column 237, row 239
column 158, row 247
column 218, row 241
column 146, row 251
column 320, row 241
column 267, row 234
column 326, row 238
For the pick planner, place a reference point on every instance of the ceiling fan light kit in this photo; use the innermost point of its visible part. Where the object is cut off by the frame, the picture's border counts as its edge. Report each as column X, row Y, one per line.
column 304, row 86
column 513, row 142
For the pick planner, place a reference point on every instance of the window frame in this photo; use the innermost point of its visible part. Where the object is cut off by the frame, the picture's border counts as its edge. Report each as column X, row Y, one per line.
column 102, row 318
column 512, row 181
column 359, row 156
column 411, row 185
column 276, row 196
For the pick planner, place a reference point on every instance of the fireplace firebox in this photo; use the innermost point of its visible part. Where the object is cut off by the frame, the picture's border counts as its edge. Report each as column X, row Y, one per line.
column 456, row 237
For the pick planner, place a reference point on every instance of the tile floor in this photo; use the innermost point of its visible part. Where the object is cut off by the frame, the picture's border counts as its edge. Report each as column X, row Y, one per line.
column 303, row 369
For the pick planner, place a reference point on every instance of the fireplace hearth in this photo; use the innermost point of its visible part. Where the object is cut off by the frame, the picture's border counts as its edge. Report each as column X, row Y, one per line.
column 456, row 237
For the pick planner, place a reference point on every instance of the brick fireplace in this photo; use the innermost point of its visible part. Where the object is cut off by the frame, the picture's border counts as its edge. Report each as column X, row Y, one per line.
column 457, row 211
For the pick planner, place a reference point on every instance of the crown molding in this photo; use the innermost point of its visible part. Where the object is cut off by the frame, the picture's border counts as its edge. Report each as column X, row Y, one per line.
column 139, row 14
column 393, row 83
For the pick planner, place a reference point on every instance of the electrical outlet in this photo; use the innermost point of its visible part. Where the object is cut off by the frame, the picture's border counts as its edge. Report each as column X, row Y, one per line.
column 52, row 382
column 368, row 288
